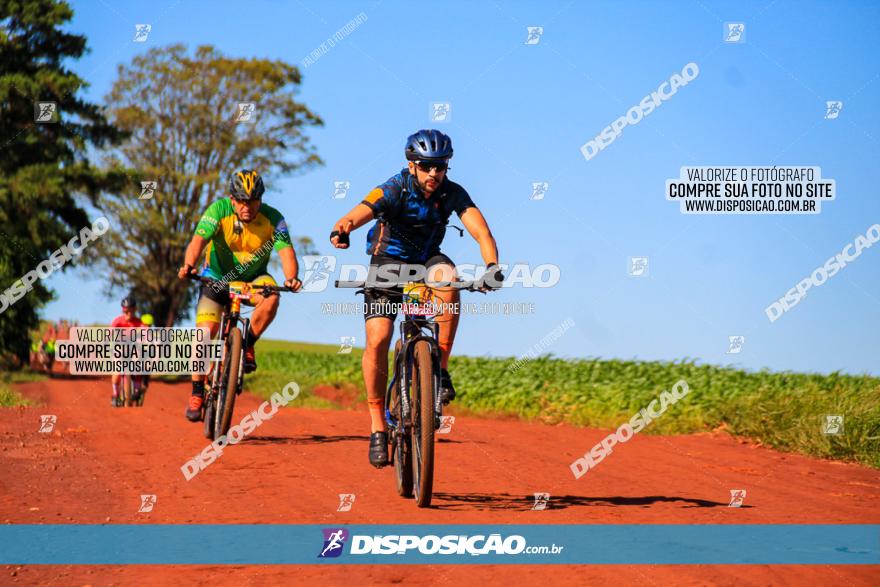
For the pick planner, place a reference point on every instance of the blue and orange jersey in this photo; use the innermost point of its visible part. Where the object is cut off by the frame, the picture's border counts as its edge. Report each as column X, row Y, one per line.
column 409, row 226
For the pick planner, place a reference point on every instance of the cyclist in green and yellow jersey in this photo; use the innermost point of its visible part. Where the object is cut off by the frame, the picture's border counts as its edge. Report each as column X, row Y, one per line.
column 237, row 235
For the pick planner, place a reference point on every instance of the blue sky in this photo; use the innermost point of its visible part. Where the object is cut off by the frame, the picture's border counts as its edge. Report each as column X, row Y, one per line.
column 520, row 113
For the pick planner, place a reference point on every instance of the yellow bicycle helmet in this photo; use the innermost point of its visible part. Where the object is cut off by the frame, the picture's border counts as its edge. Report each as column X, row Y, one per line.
column 246, row 185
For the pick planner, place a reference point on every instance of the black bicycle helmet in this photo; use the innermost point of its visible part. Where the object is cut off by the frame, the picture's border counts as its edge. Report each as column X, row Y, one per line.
column 246, row 185
column 129, row 302
column 428, row 145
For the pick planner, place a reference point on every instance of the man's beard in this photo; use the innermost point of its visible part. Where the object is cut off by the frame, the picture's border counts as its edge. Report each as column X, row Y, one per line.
column 423, row 186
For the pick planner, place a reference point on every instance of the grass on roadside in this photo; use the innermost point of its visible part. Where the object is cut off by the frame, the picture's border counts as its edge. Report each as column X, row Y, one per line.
column 309, row 365
column 781, row 410
column 9, row 398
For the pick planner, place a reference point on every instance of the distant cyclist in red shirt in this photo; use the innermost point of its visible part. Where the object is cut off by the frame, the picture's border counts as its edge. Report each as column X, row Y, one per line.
column 128, row 319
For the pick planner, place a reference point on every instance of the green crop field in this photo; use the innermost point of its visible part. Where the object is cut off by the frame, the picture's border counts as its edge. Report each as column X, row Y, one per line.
column 781, row 410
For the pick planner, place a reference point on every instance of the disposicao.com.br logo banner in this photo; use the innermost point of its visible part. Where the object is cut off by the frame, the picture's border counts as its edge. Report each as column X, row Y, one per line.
column 474, row 544
column 434, row 543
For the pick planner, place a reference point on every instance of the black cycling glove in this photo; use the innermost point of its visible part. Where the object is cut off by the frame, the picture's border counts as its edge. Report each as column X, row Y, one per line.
column 343, row 237
column 493, row 279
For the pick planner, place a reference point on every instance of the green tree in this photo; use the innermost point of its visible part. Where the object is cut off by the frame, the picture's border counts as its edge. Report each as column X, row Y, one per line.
column 304, row 245
column 43, row 166
column 188, row 133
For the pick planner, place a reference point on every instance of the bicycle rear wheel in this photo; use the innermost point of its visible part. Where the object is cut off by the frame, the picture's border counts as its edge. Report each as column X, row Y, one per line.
column 226, row 399
column 422, row 393
column 401, row 442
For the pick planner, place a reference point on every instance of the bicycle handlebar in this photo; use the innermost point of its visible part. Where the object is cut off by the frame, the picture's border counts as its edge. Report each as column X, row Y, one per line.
column 266, row 287
column 465, row 285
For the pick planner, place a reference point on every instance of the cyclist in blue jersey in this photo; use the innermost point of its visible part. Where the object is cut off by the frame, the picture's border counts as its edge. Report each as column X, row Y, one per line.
column 412, row 210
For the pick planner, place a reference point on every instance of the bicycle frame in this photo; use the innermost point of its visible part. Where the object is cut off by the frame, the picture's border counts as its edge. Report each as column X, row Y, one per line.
column 412, row 330
column 227, row 320
column 135, row 379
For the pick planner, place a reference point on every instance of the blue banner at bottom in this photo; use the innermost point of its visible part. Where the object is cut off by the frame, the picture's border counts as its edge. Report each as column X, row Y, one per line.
column 608, row 544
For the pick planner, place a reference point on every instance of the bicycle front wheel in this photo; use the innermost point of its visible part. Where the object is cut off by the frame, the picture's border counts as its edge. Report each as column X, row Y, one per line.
column 209, row 416
column 422, row 393
column 226, row 399
column 127, row 391
column 401, row 443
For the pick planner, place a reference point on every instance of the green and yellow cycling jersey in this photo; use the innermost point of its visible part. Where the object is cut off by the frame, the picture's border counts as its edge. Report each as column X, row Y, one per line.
column 238, row 250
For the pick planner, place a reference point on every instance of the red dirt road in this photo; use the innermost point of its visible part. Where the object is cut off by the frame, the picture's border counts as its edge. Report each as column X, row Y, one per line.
column 98, row 461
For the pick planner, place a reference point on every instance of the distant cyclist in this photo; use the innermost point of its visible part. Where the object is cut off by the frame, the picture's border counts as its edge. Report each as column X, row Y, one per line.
column 36, row 346
column 239, row 233
column 147, row 321
column 49, row 338
column 39, row 353
column 64, row 334
column 128, row 319
column 412, row 209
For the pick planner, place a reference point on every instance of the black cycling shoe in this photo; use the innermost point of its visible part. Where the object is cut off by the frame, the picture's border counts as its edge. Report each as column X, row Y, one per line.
column 379, row 449
column 447, row 392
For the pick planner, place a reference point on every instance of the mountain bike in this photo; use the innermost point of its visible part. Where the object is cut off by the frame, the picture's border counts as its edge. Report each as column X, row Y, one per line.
column 413, row 408
column 227, row 379
column 132, row 391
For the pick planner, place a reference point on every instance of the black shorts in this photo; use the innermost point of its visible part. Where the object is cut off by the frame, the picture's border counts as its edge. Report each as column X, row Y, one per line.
column 383, row 304
column 214, row 299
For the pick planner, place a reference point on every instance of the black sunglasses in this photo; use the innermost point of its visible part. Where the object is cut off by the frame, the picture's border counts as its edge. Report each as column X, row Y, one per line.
column 427, row 166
